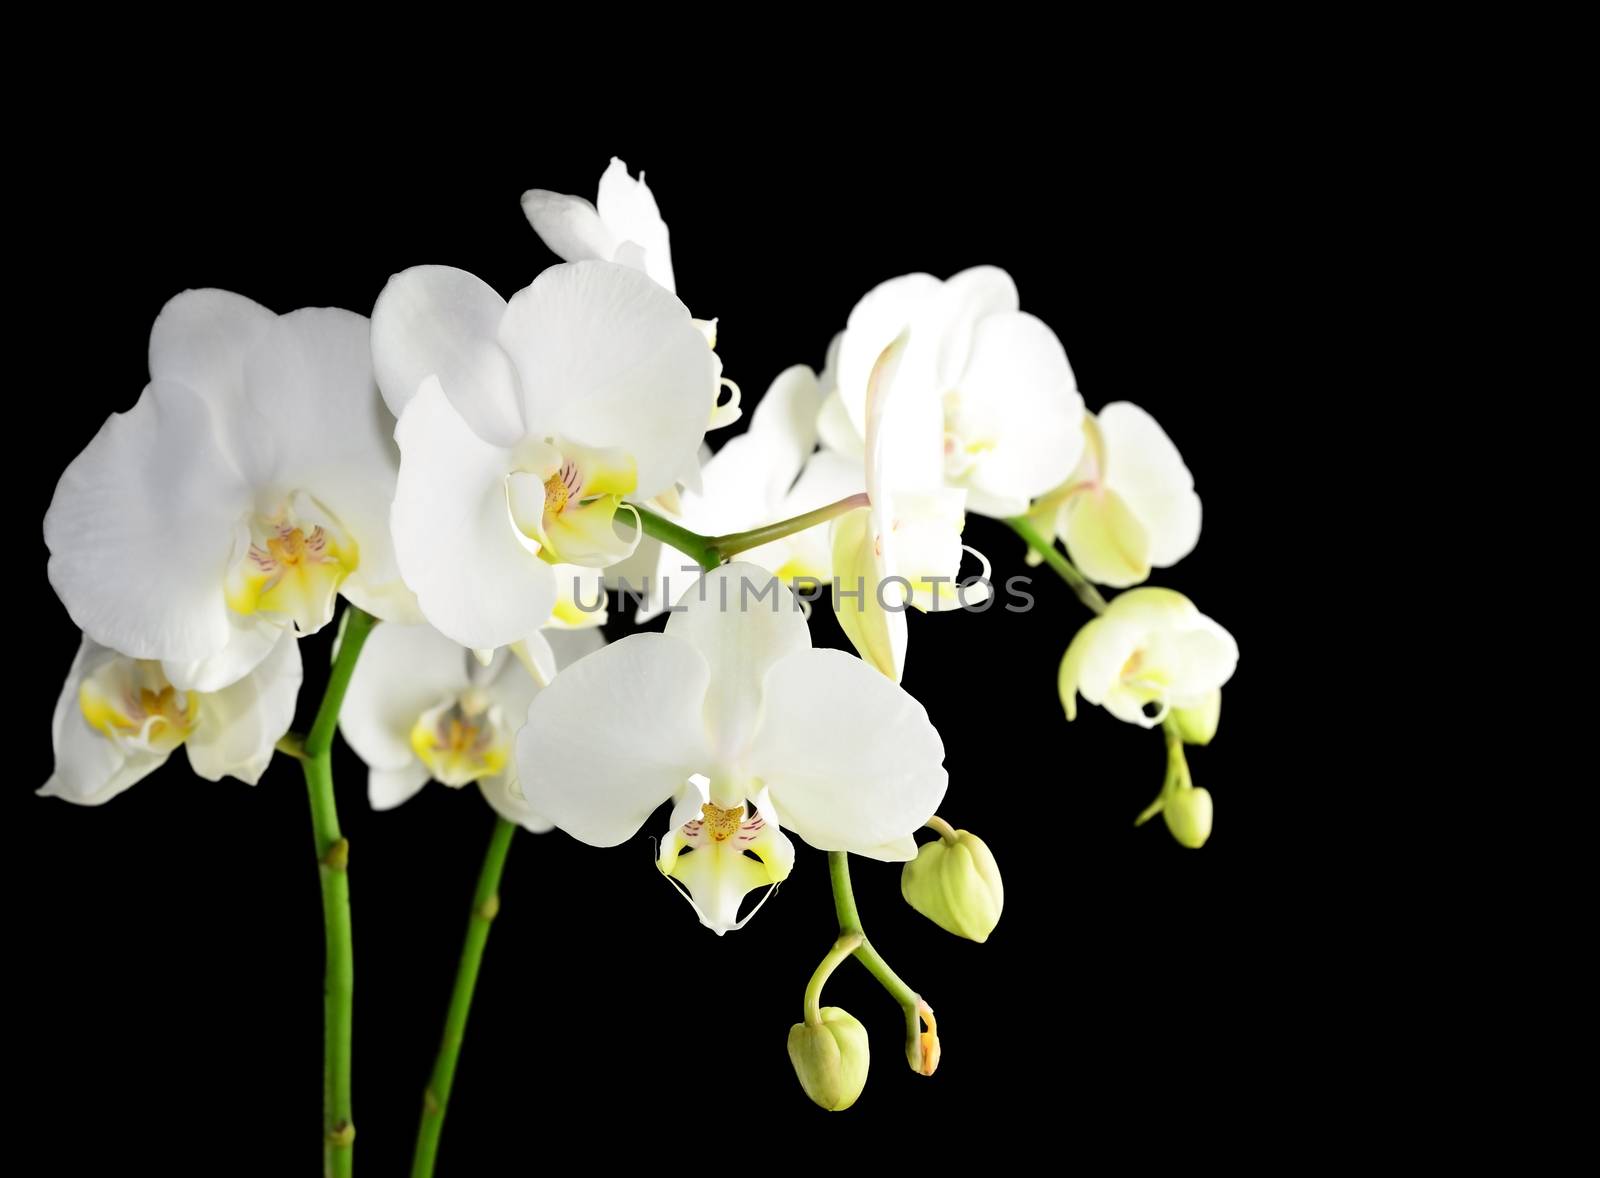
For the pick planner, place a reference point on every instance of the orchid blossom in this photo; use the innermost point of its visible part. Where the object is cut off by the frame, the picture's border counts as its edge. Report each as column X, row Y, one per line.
column 118, row 720
column 523, row 426
column 1130, row 506
column 624, row 225
column 905, row 548
column 1150, row 652
column 420, row 706
column 733, row 717
column 986, row 385
column 247, row 487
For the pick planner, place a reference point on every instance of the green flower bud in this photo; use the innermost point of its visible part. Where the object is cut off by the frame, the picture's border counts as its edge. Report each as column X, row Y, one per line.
column 1188, row 815
column 830, row 1058
column 1198, row 724
column 955, row 883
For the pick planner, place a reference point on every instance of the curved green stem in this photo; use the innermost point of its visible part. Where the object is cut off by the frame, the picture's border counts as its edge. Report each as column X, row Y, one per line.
column 1087, row 593
column 333, row 857
column 922, row 1051
column 710, row 551
column 691, row 544
column 485, row 906
column 847, row 944
column 737, row 542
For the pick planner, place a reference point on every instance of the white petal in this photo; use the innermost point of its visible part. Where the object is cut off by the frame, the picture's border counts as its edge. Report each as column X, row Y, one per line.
column 628, row 209
column 1145, row 468
column 886, row 311
column 236, row 728
column 310, row 375
column 569, row 225
column 757, row 469
column 1198, row 659
column 827, row 478
column 388, row 788
column 1019, row 385
column 964, row 302
column 1104, row 538
column 615, row 735
column 141, row 529
column 609, row 359
column 444, row 322
column 250, row 641
column 200, row 340
column 835, row 429
column 506, row 800
column 403, row 671
column 513, row 690
column 89, row 769
column 851, row 759
column 742, row 621
column 453, row 534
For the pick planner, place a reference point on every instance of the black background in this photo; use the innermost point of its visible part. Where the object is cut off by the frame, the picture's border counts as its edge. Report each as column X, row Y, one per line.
column 173, row 937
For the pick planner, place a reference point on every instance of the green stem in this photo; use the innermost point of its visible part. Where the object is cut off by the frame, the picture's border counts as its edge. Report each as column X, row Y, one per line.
column 842, row 948
column 710, row 551
column 485, row 906
column 941, row 828
column 1087, row 593
column 333, row 857
column 691, row 544
column 911, row 1003
column 737, row 542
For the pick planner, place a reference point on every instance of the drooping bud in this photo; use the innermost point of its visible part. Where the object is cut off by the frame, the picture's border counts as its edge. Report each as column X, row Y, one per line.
column 1188, row 816
column 830, row 1058
column 955, row 882
column 1197, row 725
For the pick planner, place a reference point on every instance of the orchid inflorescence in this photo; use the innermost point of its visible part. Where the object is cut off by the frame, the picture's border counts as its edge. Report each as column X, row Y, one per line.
column 475, row 472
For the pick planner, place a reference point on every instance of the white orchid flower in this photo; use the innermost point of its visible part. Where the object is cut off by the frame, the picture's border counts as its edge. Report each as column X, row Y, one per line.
column 624, row 226
column 247, row 487
column 1150, row 652
column 768, row 473
column 905, row 549
column 422, row 707
column 734, row 717
column 523, row 425
column 993, row 378
column 1130, row 506
column 118, row 720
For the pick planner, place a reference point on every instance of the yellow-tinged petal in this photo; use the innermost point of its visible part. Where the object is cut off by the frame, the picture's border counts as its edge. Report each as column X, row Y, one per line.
column 1104, row 538
column 878, row 634
column 583, row 535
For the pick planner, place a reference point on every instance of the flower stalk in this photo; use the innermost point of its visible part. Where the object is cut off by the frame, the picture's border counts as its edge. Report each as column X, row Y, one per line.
column 485, row 906
column 1068, row 572
column 333, row 857
column 922, row 1046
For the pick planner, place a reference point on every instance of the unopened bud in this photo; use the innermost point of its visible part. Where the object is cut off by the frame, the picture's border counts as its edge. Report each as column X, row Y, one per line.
column 830, row 1058
column 955, row 883
column 1188, row 815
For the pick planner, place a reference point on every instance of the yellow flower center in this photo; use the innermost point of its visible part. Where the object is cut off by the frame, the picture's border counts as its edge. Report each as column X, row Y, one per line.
column 293, row 568
column 130, row 703
column 556, row 494
column 462, row 740
column 721, row 824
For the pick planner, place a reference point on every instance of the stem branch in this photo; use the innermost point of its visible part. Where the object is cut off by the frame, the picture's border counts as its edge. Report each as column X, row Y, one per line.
column 922, row 1047
column 1087, row 593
